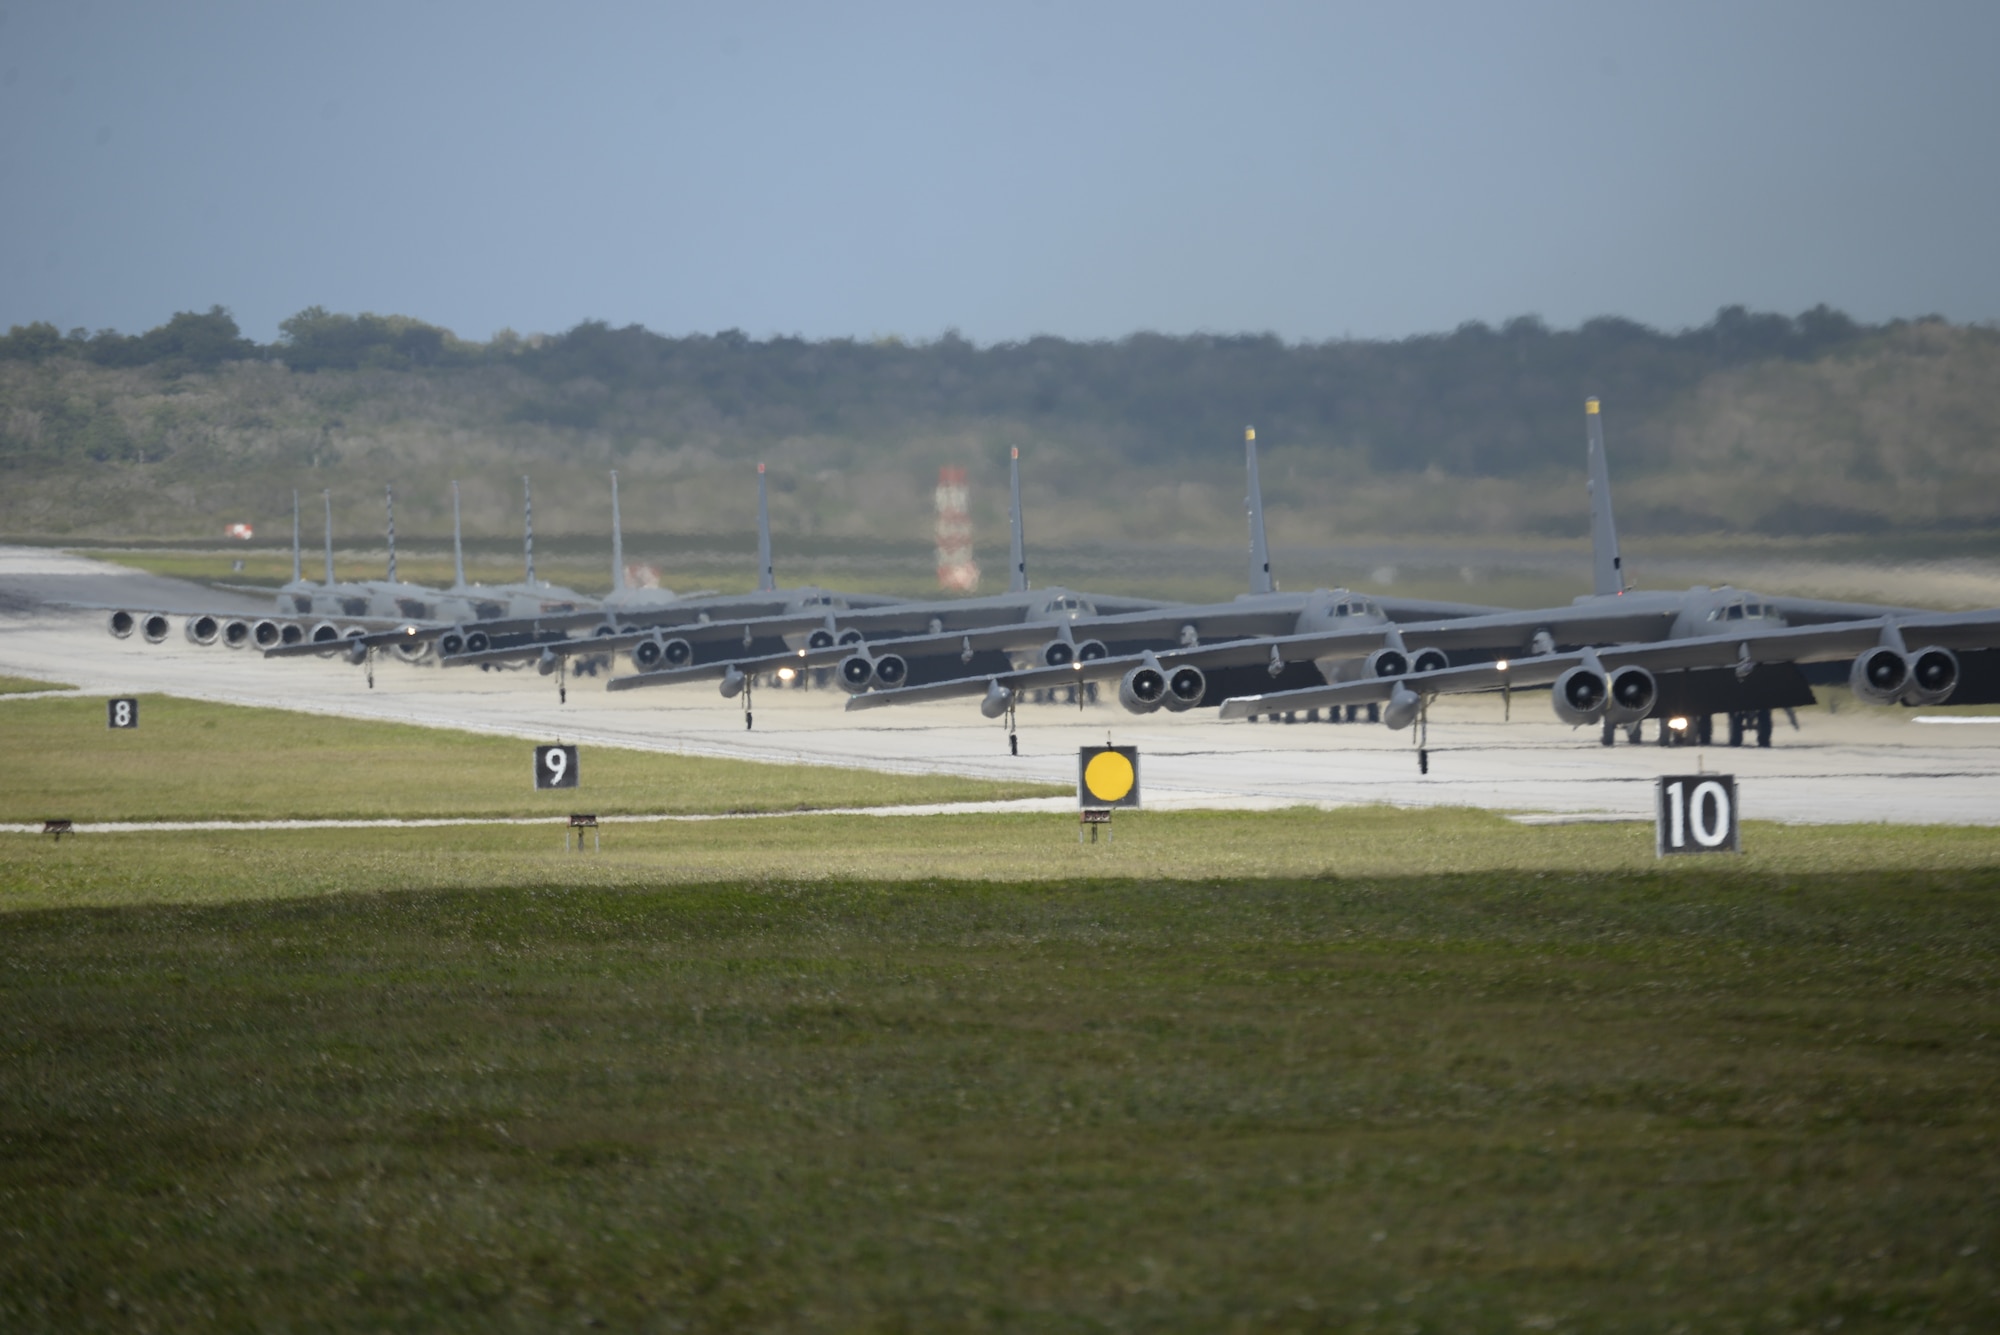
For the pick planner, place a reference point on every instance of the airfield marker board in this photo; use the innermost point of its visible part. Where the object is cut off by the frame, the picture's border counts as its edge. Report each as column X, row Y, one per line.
column 555, row 767
column 1107, row 776
column 1696, row 814
column 121, row 712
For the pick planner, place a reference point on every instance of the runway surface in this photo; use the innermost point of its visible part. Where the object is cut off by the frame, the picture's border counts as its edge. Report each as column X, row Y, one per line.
column 1854, row 765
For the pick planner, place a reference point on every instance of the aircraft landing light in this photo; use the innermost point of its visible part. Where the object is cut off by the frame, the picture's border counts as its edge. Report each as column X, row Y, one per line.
column 1501, row 665
column 786, row 674
column 1677, row 723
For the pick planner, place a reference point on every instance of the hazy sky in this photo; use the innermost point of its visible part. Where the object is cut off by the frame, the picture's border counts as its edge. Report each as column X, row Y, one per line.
column 1008, row 169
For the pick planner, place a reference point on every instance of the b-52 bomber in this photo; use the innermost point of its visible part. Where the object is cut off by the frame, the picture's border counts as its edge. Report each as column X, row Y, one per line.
column 907, row 650
column 1362, row 663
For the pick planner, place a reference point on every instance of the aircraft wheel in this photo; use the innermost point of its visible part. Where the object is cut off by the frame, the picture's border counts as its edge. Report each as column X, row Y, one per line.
column 1609, row 737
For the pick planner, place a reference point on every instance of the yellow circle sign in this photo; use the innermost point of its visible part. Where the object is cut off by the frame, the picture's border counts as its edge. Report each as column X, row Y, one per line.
column 1108, row 776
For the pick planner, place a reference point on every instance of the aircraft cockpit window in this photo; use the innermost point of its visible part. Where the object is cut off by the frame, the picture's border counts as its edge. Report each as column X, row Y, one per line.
column 1753, row 610
column 1340, row 609
column 1736, row 611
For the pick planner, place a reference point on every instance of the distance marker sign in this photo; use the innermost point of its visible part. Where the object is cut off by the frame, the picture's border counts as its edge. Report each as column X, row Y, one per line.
column 1697, row 814
column 121, row 712
column 1107, row 776
column 555, row 767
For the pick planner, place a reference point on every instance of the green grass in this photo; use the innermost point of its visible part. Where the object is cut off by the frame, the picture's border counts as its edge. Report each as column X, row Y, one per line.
column 193, row 761
column 1727, row 1096
column 22, row 685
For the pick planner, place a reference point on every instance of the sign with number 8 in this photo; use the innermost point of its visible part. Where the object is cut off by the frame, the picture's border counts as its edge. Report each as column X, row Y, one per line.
column 555, row 767
column 122, row 712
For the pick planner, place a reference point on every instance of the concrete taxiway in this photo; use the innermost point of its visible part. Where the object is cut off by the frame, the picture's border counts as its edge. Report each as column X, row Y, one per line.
column 1850, row 765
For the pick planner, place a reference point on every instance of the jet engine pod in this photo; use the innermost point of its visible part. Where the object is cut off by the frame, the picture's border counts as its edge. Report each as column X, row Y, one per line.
column 1386, row 662
column 1579, row 696
column 451, row 642
column 267, row 633
column 851, row 637
column 1185, row 687
column 1401, row 711
column 477, row 642
column 122, row 624
column 1057, row 653
column 1933, row 674
column 155, row 629
column 413, row 652
column 292, row 633
column 855, row 672
column 202, row 629
column 1879, row 676
column 1429, row 660
column 891, row 671
column 1632, row 694
column 235, row 633
column 1091, row 650
column 731, row 684
column 820, row 639
column 997, row 700
column 1143, row 689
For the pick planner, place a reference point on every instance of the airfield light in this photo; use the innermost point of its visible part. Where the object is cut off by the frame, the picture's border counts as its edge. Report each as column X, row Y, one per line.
column 786, row 674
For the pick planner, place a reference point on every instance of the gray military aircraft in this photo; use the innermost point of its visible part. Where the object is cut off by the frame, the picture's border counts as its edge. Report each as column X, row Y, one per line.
column 1375, row 656
column 1058, row 630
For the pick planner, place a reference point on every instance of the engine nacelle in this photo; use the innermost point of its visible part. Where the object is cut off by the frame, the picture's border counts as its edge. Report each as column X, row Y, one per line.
column 732, row 681
column 1385, row 662
column 891, row 671
column 998, row 700
column 122, row 624
column 291, row 633
column 662, row 653
column 413, row 653
column 855, row 672
column 1091, row 650
column 1879, row 676
column 324, row 632
column 265, row 634
column 1401, row 710
column 1933, row 676
column 1429, row 660
column 202, row 629
column 477, row 642
column 849, row 637
column 155, row 628
column 235, row 633
column 1143, row 689
column 1057, row 653
column 1185, row 687
column 1631, row 695
column 1579, row 696
column 450, row 643
column 820, row 639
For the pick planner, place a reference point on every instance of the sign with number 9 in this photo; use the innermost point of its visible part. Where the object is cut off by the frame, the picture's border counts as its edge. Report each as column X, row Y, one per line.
column 555, row 767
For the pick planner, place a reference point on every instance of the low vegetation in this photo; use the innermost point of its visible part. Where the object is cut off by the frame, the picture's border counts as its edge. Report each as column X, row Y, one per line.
column 1748, row 1096
column 24, row 685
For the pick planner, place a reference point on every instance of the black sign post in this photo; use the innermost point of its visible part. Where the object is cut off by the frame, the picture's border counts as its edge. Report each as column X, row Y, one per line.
column 555, row 767
column 1697, row 814
column 121, row 712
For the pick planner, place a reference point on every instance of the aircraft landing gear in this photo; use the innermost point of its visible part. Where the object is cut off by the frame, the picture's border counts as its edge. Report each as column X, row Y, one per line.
column 748, row 717
column 1610, row 737
column 1764, row 728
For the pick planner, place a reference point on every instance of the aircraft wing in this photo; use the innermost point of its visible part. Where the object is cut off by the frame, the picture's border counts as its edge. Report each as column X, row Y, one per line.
column 1782, row 644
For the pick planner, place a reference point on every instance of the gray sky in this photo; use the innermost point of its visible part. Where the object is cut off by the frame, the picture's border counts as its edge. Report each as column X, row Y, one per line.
column 1068, row 168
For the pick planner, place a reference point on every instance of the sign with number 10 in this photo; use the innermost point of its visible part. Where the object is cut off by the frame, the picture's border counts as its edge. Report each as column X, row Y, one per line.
column 1697, row 814
column 555, row 767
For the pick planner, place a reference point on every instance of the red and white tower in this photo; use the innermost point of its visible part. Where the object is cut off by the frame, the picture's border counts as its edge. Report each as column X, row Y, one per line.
column 956, row 569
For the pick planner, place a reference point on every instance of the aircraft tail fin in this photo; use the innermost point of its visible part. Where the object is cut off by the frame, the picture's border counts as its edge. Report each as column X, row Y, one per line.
column 617, row 539
column 295, row 535
column 1607, row 567
column 528, row 518
column 1260, row 550
column 389, row 496
column 767, row 578
column 457, row 543
column 327, row 497
column 1017, row 547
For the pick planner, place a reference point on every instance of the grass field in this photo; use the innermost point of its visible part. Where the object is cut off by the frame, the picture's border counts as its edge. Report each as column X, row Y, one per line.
column 193, row 761
column 22, row 685
column 1364, row 1070
column 1640, row 1099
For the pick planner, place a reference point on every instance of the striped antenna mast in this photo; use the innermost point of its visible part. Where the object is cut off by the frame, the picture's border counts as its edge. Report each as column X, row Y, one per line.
column 528, row 513
column 390, row 492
